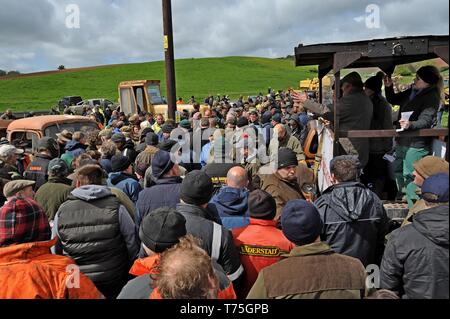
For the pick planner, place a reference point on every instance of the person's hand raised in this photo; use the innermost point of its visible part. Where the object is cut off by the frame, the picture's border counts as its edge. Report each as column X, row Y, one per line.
column 299, row 97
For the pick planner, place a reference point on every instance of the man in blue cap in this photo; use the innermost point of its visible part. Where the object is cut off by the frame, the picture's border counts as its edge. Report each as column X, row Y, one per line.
column 415, row 262
column 297, row 276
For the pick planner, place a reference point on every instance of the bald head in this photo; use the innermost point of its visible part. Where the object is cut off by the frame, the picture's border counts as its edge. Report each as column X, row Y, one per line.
column 280, row 130
column 237, row 177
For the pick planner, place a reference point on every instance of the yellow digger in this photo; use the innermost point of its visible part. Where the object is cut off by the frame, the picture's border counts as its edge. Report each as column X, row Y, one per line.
column 145, row 95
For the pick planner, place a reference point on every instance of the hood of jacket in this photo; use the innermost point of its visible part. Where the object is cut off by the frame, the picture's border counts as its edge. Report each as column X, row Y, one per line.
column 231, row 201
column 433, row 224
column 91, row 192
column 74, row 145
column 117, row 177
column 350, row 199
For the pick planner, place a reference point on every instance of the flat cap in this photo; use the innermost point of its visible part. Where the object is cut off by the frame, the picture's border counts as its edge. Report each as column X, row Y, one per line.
column 13, row 187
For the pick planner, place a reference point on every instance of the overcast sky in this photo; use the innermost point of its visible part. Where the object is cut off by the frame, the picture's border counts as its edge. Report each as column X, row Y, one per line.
column 34, row 35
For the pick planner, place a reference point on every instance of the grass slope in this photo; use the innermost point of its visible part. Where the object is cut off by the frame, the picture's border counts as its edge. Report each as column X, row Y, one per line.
column 198, row 77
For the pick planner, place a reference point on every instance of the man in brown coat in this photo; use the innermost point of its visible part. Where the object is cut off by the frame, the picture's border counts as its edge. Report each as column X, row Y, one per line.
column 312, row 270
column 283, row 185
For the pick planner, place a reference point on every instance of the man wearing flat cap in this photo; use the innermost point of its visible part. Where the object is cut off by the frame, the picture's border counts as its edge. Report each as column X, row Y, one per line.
column 424, row 168
column 8, row 166
column 355, row 112
column 283, row 185
column 296, row 276
column 28, row 270
column 415, row 263
column 20, row 202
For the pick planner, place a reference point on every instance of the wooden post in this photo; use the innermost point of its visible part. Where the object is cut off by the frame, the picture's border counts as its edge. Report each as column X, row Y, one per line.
column 169, row 58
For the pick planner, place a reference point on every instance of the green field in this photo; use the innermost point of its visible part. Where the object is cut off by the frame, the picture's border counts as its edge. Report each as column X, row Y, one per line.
column 233, row 76
column 199, row 77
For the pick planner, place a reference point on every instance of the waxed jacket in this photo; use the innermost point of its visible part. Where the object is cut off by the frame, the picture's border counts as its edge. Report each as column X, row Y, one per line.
column 415, row 263
column 341, row 277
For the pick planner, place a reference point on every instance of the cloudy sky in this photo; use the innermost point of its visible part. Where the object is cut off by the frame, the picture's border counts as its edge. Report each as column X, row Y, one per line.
column 34, row 34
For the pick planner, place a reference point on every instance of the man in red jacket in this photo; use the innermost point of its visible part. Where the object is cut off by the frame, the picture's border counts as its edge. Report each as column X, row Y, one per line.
column 261, row 243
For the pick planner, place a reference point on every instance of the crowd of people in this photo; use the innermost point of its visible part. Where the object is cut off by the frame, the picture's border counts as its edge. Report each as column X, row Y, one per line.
column 223, row 205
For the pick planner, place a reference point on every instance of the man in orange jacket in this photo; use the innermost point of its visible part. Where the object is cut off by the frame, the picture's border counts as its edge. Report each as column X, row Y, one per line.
column 159, row 231
column 261, row 243
column 28, row 270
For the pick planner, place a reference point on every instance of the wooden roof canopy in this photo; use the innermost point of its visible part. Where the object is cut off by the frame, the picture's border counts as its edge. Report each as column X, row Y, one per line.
column 383, row 53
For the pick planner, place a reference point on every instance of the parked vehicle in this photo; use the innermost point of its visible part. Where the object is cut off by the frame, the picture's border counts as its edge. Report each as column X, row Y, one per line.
column 29, row 130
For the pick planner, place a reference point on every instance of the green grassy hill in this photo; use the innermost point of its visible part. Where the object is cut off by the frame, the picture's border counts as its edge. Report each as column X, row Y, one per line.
column 198, row 77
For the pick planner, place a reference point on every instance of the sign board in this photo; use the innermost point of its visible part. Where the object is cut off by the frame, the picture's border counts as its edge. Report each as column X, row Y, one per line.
column 323, row 173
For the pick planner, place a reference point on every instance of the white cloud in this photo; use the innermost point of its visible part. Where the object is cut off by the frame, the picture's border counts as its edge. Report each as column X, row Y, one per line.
column 119, row 31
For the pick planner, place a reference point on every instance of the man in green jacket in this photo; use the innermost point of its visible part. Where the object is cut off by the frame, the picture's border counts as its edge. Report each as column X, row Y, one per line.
column 312, row 270
column 56, row 190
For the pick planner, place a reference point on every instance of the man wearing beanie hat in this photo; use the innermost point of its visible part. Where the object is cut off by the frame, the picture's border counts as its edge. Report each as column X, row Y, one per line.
column 122, row 177
column 282, row 185
column 296, row 276
column 159, row 231
column 423, row 168
column 355, row 221
column 261, row 243
column 377, row 169
column 56, row 191
column 201, row 222
column 37, row 170
column 95, row 229
column 415, row 262
column 165, row 192
column 355, row 111
column 423, row 100
column 28, row 270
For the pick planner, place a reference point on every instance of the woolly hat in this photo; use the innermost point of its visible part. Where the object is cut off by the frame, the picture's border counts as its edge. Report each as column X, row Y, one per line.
column 286, row 157
column 162, row 229
column 300, row 222
column 197, row 188
column 429, row 74
column 375, row 82
column 120, row 163
column 435, row 188
column 262, row 205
